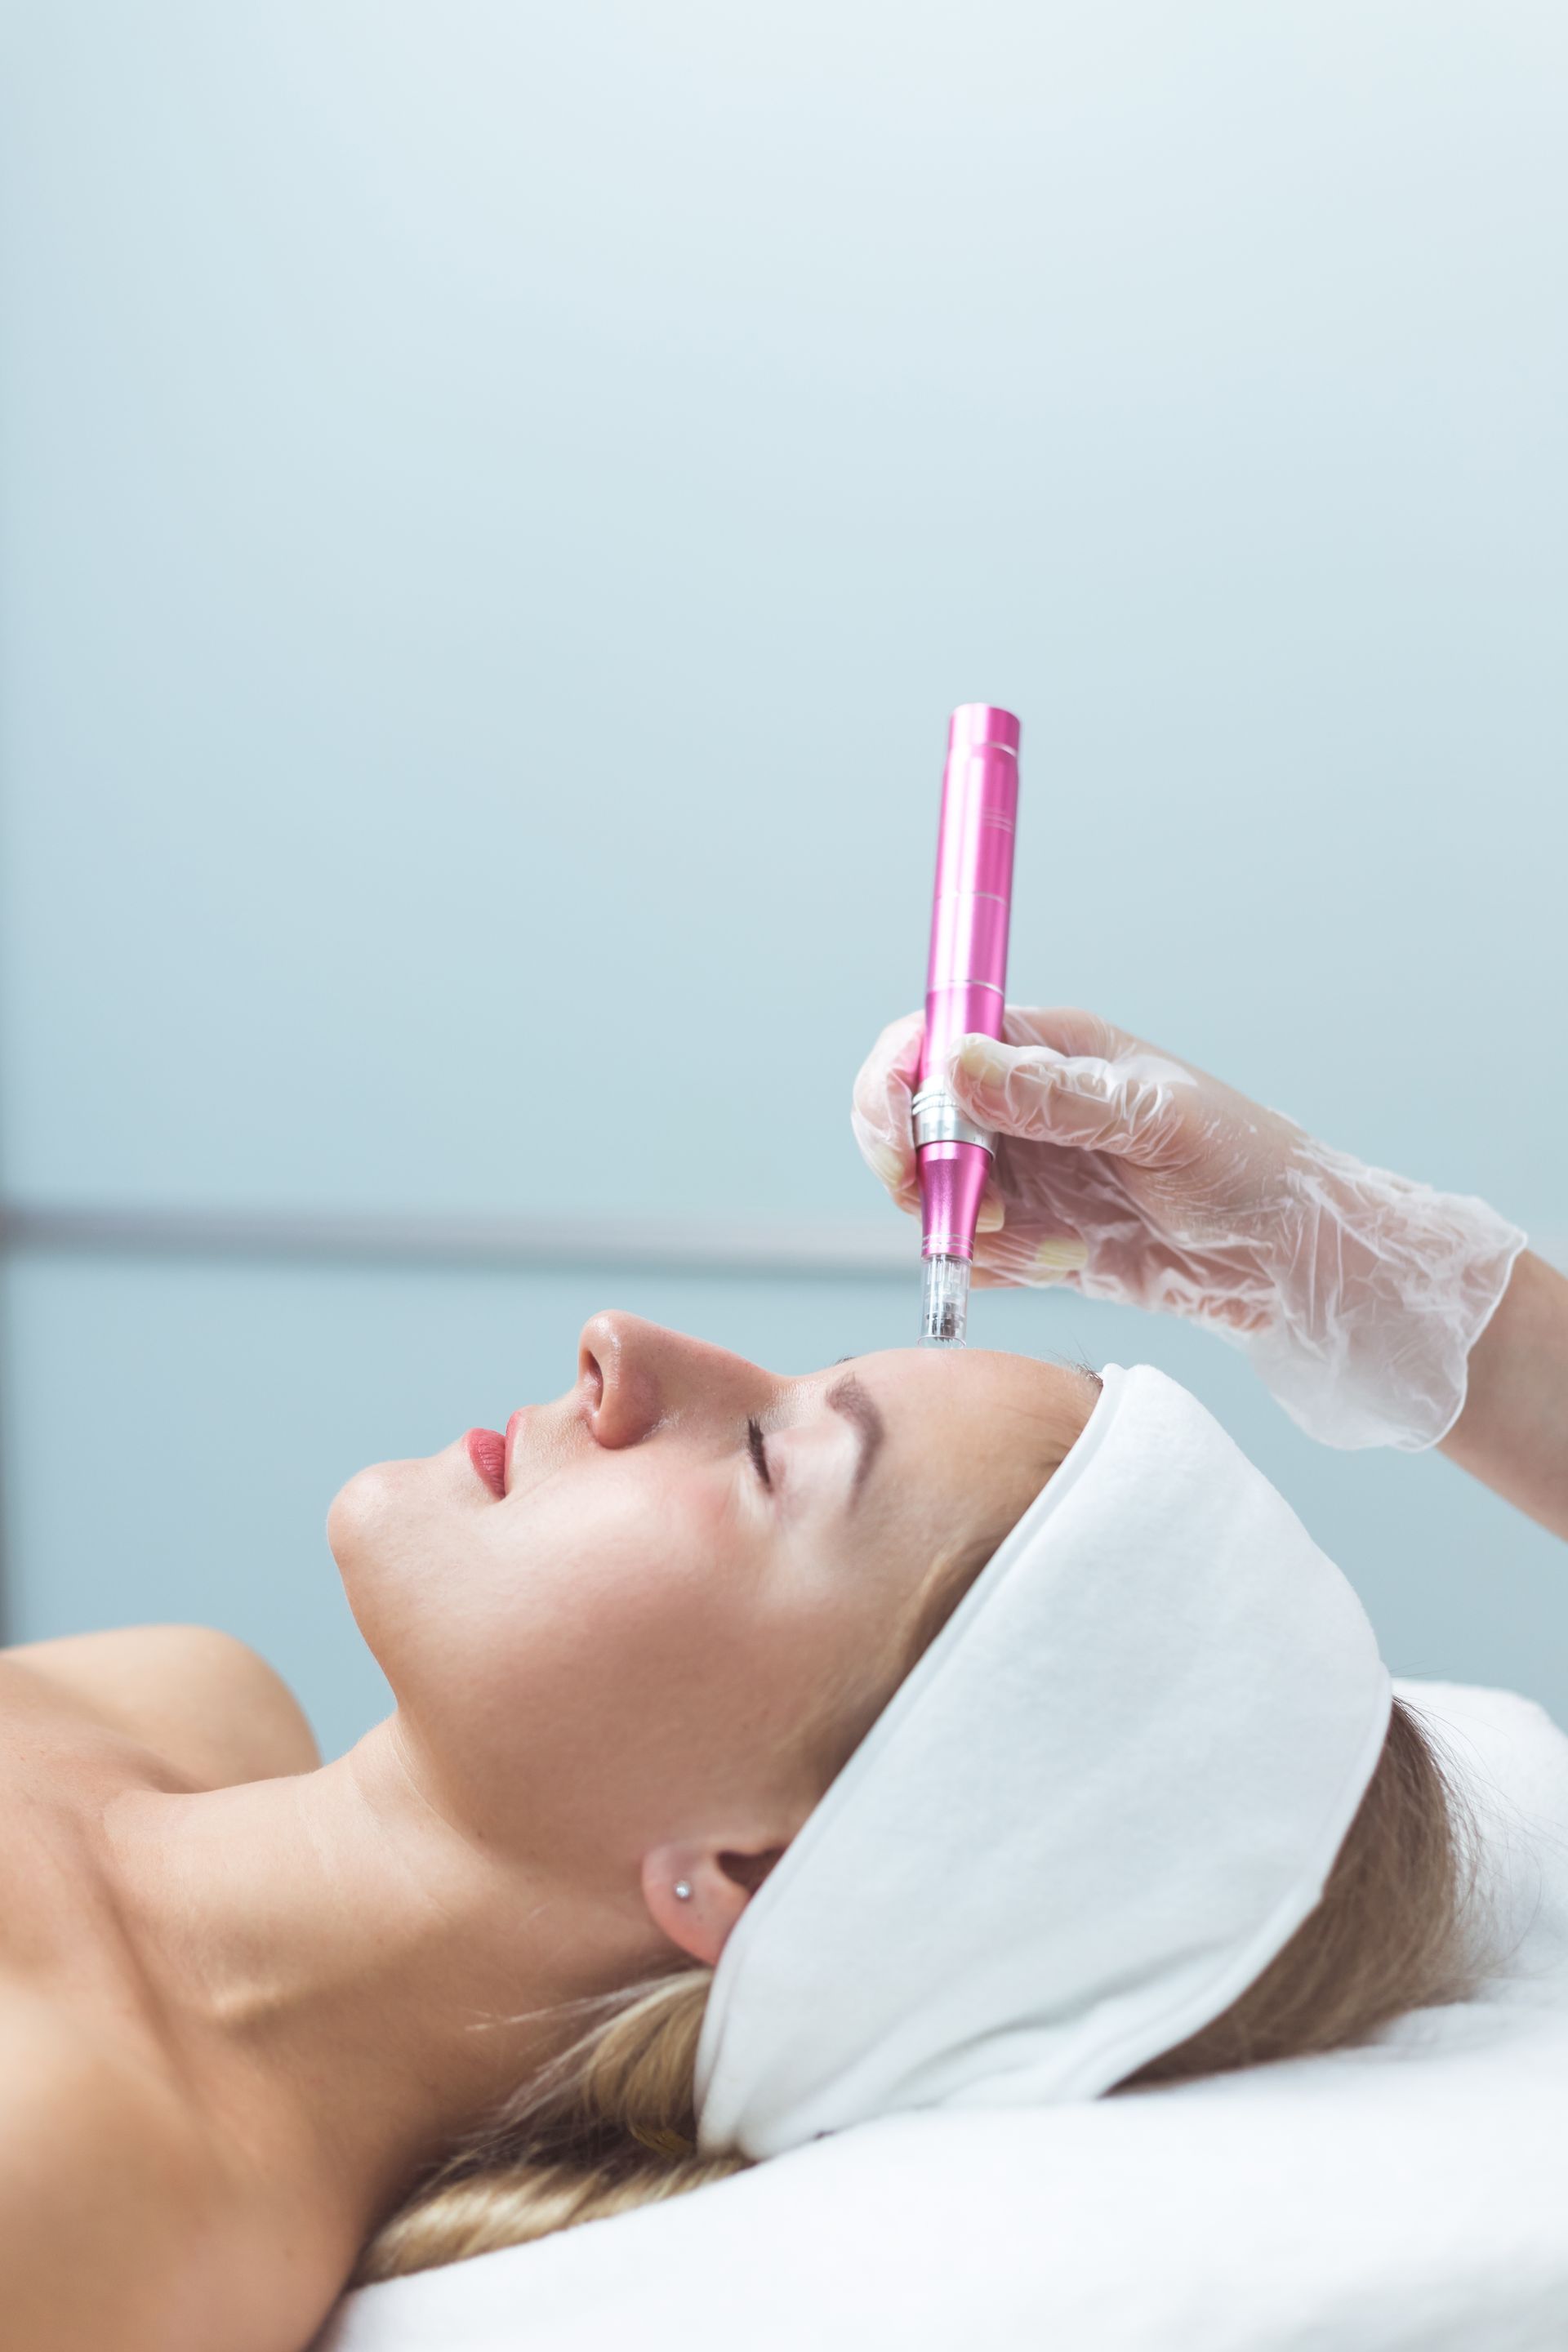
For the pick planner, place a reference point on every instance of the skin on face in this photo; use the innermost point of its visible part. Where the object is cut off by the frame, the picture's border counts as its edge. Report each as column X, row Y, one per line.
column 643, row 1663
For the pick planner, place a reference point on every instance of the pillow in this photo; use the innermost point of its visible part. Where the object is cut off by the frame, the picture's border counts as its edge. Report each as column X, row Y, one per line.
column 1408, row 2196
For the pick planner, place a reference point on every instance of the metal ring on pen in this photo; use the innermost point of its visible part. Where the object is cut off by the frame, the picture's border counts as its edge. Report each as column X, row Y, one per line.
column 939, row 1119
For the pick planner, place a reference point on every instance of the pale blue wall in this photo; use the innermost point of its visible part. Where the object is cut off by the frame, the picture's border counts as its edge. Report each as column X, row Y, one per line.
column 497, row 502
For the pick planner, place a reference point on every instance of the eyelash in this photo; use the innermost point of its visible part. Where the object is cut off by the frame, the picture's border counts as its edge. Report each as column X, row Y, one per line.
column 759, row 1453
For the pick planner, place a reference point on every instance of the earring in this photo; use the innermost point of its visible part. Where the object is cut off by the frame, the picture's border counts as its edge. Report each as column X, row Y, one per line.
column 683, row 1890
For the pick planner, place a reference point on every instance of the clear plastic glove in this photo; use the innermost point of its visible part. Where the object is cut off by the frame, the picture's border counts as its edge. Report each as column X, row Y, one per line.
column 1130, row 1175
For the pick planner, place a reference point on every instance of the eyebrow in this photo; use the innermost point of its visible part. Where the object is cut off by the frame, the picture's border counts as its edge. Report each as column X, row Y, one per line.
column 849, row 1396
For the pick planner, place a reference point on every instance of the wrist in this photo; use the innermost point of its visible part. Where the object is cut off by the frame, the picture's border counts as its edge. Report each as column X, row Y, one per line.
column 1383, row 1285
column 1512, row 1430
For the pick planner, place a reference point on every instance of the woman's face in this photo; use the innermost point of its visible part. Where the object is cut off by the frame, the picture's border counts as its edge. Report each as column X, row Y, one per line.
column 685, row 1588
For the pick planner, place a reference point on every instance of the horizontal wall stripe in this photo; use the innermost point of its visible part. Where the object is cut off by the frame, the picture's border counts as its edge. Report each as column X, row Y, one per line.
column 645, row 1245
column 658, row 1245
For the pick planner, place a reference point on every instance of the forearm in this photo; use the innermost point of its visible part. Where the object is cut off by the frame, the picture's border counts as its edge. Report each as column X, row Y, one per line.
column 1513, row 1431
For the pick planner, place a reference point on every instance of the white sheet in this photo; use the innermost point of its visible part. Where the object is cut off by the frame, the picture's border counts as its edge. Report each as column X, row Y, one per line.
column 1410, row 2198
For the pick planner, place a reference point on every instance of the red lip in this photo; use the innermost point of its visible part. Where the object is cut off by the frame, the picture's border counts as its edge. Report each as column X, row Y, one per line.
column 486, row 1449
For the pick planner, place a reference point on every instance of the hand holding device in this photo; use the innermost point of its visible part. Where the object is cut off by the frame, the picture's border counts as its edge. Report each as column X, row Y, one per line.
column 1131, row 1175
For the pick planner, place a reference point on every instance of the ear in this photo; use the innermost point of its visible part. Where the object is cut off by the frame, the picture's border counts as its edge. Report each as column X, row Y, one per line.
column 721, row 1882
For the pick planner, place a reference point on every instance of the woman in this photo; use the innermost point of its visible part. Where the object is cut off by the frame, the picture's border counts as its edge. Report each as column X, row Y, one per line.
column 261, row 2016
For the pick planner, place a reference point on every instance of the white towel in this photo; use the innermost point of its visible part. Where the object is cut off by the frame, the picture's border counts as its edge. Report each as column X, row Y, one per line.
column 1097, row 1808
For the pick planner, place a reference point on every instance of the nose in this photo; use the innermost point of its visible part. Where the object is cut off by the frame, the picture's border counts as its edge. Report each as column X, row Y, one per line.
column 637, row 1377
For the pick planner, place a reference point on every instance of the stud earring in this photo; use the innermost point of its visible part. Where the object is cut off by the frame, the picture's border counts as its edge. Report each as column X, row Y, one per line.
column 683, row 1890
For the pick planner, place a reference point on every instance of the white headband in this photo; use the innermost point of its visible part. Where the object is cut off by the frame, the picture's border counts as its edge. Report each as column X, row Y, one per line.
column 1102, row 1802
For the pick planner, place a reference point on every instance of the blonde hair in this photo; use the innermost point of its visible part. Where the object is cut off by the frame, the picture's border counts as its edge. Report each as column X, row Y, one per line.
column 611, row 2123
column 609, row 2126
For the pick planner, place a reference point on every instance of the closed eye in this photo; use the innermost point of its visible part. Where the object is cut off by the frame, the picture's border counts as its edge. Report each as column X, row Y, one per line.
column 759, row 1452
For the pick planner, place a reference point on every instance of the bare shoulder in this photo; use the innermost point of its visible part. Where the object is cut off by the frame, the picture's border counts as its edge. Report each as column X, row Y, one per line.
column 111, row 2208
column 208, row 1703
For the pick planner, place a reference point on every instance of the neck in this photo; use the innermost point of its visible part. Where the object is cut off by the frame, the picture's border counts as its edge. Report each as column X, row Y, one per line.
column 367, row 1982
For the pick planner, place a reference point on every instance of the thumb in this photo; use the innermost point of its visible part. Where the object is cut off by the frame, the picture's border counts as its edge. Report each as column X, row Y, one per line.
column 1133, row 1105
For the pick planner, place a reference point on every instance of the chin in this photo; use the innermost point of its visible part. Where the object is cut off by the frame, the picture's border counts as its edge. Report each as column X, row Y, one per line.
column 362, row 1513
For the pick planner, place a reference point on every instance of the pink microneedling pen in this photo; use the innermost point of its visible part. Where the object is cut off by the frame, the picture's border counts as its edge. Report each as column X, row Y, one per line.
column 966, row 984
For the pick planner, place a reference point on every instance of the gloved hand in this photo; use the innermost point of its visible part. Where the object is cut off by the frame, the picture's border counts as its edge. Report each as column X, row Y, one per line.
column 1130, row 1175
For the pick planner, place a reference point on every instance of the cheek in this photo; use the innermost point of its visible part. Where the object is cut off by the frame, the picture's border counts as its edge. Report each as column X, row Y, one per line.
column 599, row 1677
column 607, row 1639
column 672, row 1678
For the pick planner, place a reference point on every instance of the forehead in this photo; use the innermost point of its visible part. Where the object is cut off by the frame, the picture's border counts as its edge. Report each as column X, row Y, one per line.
column 962, row 1415
column 966, row 1383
